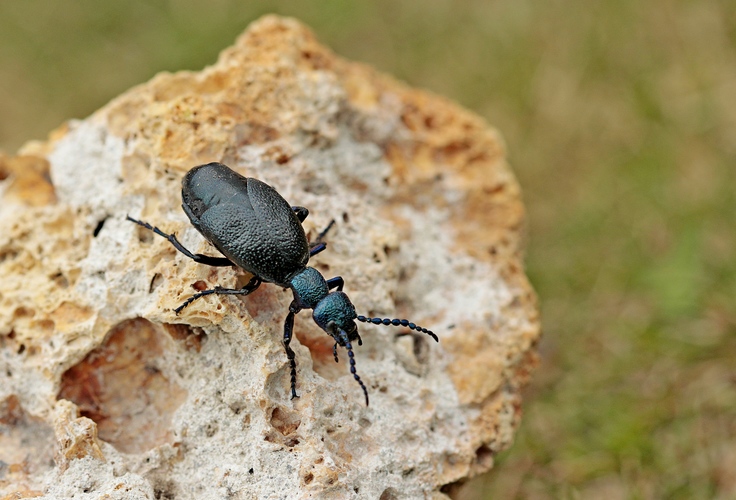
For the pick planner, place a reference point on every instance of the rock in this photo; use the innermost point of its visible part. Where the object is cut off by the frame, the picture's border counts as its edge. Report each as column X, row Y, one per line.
column 147, row 404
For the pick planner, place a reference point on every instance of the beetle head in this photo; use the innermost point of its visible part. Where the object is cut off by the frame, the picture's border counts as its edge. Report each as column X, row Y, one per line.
column 335, row 312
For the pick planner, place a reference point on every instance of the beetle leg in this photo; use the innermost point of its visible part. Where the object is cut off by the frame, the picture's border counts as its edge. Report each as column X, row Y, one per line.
column 334, row 352
column 301, row 213
column 321, row 235
column 250, row 287
column 336, row 282
column 315, row 248
column 196, row 257
column 288, row 329
column 318, row 245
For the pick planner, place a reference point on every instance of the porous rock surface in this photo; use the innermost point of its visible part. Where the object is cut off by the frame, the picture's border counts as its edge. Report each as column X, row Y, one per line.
column 106, row 393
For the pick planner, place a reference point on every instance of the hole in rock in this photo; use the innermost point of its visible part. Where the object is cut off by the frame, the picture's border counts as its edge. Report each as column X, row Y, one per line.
column 26, row 444
column 323, row 360
column 155, row 282
column 284, row 421
column 191, row 337
column 8, row 254
column 453, row 489
column 389, row 494
column 22, row 312
column 484, row 456
column 121, row 387
column 99, row 227
column 164, row 490
column 420, row 346
column 60, row 280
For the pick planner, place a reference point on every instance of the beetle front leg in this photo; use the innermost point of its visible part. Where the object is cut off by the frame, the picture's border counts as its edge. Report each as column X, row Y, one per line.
column 288, row 330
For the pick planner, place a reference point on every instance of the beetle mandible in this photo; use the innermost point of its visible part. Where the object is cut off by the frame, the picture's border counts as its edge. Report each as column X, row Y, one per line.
column 256, row 229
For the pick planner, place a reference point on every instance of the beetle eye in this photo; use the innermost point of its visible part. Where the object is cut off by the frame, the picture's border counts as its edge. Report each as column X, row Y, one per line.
column 332, row 328
column 350, row 328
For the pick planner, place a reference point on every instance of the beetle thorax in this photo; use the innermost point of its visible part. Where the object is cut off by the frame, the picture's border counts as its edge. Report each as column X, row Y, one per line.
column 309, row 287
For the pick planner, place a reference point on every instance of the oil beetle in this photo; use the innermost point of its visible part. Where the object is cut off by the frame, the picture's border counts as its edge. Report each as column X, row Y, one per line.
column 258, row 231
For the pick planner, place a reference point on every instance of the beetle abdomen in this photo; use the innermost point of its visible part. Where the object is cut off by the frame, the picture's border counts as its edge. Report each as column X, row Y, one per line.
column 261, row 249
column 247, row 220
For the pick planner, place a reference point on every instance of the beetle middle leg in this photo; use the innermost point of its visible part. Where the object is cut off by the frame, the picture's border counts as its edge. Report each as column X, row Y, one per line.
column 250, row 287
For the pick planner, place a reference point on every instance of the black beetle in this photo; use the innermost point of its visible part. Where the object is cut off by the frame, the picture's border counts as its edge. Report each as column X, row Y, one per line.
column 257, row 230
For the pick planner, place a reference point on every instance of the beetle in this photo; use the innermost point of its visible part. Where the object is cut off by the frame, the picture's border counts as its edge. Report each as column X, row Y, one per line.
column 256, row 229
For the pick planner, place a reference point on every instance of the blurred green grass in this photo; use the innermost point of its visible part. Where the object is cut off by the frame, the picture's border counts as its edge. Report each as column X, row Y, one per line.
column 620, row 119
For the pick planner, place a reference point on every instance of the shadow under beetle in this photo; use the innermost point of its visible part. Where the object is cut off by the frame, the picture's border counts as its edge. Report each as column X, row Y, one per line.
column 257, row 230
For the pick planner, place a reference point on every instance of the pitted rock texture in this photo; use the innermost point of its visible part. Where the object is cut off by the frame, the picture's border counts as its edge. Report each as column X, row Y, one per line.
column 130, row 400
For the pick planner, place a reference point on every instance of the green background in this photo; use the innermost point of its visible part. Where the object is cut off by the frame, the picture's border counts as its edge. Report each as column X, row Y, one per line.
column 620, row 119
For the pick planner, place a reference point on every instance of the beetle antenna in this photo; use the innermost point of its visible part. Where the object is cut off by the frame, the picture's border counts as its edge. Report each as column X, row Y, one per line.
column 398, row 322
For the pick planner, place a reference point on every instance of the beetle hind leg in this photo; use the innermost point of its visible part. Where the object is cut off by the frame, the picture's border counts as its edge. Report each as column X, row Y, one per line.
column 196, row 257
